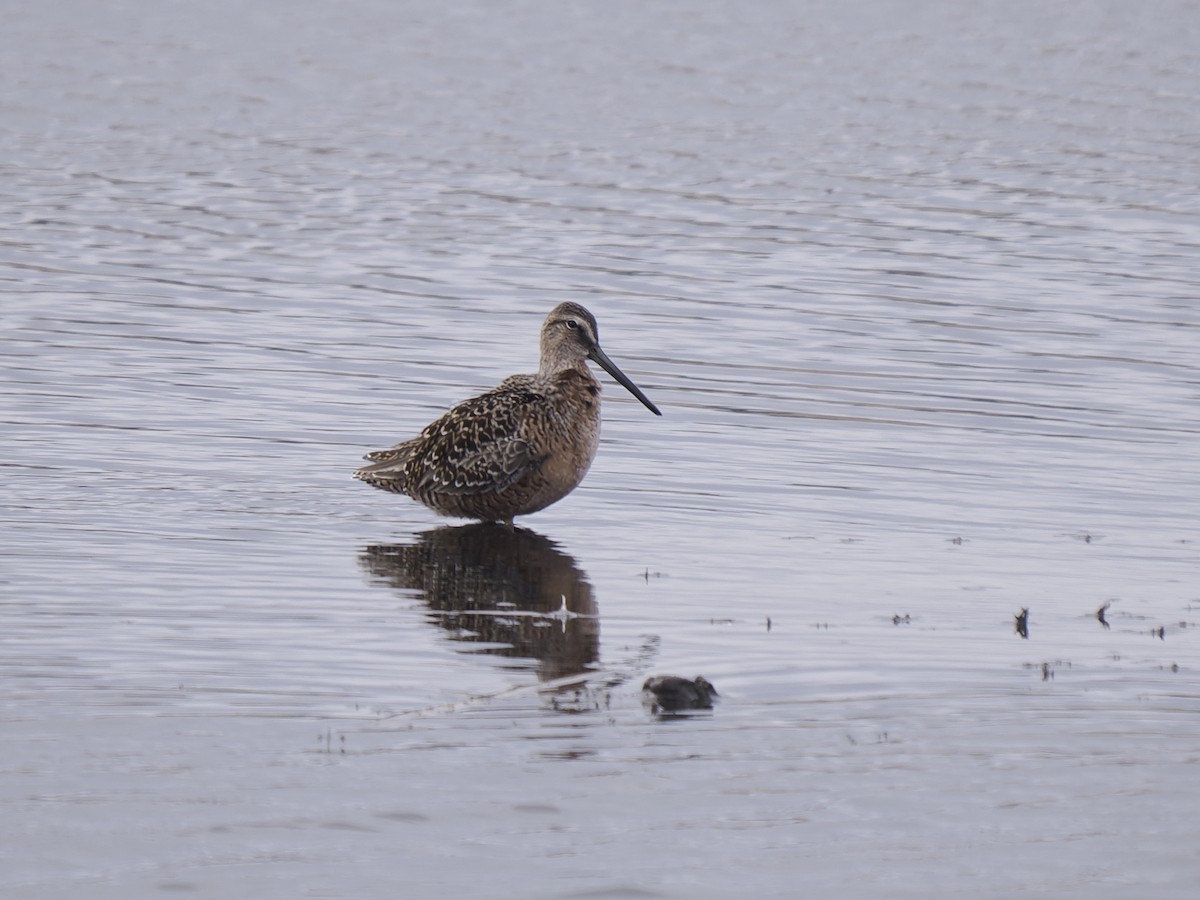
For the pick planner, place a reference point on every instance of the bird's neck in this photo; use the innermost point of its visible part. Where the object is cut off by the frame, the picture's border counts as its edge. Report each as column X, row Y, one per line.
column 551, row 366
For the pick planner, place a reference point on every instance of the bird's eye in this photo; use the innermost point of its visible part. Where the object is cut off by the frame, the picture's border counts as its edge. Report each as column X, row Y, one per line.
column 572, row 324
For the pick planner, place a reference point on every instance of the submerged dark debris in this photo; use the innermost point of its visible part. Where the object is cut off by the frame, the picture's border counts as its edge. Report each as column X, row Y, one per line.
column 670, row 693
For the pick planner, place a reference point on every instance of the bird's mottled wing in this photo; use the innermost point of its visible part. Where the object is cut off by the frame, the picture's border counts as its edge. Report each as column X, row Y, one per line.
column 482, row 445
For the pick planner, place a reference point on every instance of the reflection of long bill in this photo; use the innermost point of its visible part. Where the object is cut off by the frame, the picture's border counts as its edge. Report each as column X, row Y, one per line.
column 601, row 358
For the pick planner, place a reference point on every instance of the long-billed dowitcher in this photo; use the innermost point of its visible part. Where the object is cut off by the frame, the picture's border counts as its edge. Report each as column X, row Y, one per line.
column 517, row 448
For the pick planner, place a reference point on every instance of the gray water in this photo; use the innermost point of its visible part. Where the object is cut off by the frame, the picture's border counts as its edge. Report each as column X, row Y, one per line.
column 916, row 287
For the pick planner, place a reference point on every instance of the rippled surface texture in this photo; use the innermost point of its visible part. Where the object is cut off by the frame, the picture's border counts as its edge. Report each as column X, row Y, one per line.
column 915, row 286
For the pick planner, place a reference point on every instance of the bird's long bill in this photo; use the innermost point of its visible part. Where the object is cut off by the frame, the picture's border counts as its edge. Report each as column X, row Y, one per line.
column 611, row 368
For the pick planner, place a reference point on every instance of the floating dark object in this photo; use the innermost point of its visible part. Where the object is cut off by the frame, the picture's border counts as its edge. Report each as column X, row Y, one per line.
column 1022, row 622
column 1100, row 614
column 670, row 693
column 1160, row 632
column 901, row 620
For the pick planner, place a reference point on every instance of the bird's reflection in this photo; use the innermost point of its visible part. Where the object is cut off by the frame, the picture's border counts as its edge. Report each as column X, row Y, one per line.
column 508, row 588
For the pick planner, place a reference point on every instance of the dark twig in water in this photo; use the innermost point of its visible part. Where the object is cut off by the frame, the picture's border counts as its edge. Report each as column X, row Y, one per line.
column 1022, row 622
column 1101, row 611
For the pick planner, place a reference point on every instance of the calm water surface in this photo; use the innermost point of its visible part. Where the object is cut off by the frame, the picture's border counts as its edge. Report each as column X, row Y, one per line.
column 917, row 292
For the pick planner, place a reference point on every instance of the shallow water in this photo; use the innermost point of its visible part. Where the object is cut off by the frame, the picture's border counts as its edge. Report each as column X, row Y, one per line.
column 916, row 293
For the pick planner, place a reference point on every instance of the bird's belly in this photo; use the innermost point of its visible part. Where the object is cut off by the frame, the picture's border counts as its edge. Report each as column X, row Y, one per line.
column 565, row 461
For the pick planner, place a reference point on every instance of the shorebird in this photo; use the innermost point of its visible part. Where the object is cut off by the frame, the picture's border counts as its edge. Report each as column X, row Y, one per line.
column 517, row 448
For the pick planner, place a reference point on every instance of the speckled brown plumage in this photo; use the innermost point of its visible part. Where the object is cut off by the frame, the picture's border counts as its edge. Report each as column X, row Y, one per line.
column 514, row 449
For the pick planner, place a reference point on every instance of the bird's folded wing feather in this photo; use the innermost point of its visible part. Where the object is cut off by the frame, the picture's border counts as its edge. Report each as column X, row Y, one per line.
column 481, row 445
